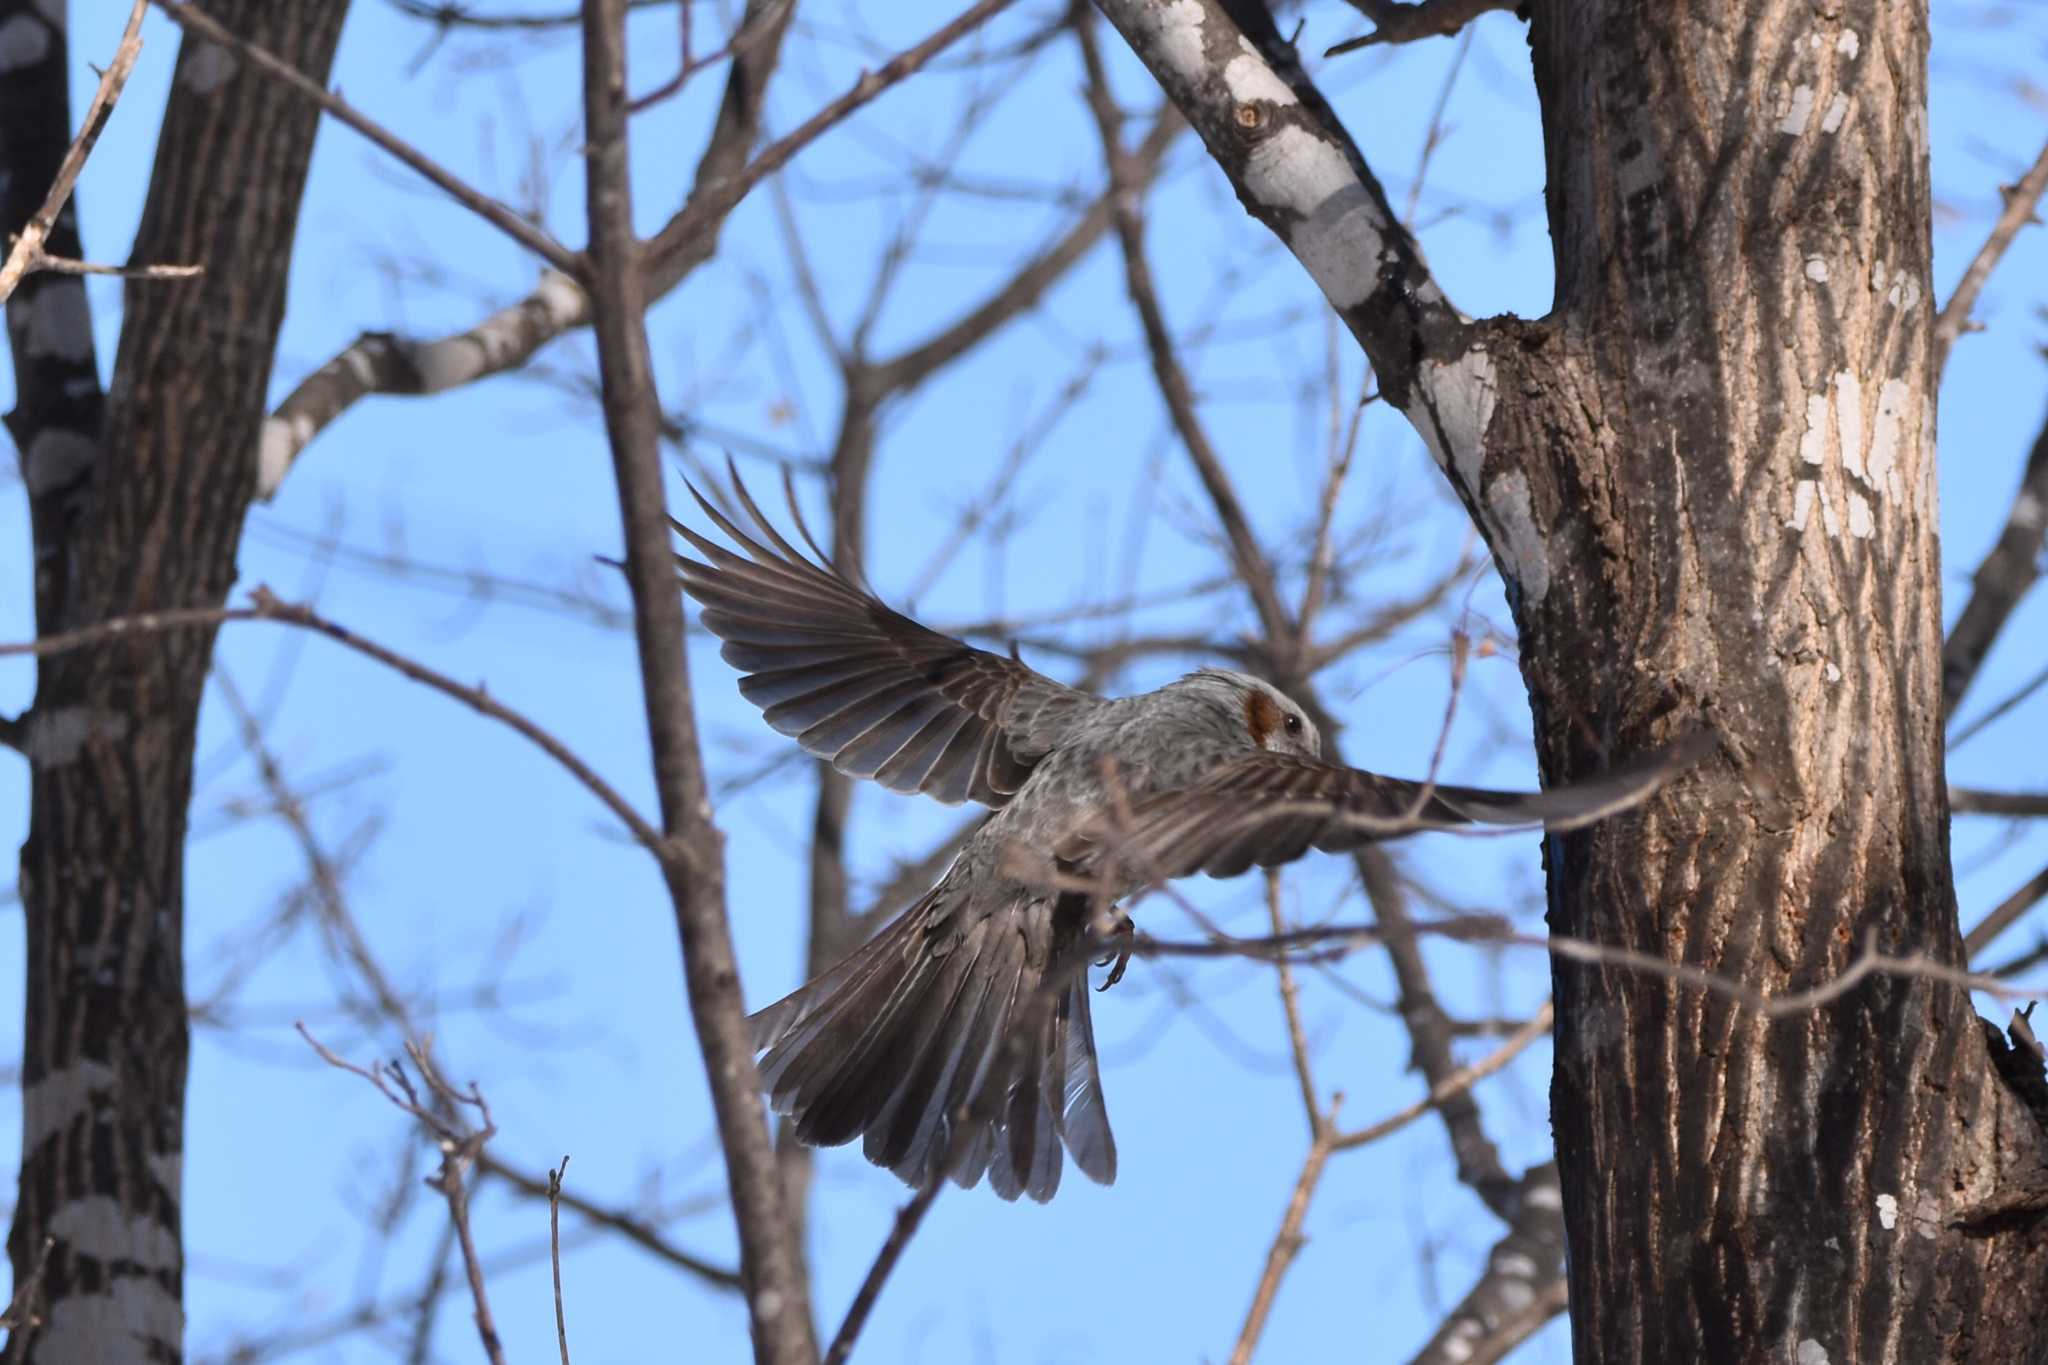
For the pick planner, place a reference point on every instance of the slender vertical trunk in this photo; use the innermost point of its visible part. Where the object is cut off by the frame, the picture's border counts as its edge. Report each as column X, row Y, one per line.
column 141, row 512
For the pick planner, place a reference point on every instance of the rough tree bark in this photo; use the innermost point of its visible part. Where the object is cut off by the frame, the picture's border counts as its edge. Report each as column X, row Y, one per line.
column 1708, row 480
column 137, row 499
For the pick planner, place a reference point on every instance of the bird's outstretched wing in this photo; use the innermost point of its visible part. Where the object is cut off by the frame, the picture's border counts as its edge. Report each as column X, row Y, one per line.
column 866, row 688
column 1270, row 808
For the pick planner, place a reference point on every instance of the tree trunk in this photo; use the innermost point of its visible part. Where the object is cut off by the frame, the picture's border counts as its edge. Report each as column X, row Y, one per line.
column 140, row 514
column 1721, row 479
column 1708, row 480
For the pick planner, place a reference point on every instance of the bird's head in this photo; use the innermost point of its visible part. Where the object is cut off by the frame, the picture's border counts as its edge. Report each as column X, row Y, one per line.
column 1268, row 717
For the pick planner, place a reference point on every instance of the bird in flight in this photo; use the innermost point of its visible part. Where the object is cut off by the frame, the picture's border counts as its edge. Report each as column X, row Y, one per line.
column 957, row 1041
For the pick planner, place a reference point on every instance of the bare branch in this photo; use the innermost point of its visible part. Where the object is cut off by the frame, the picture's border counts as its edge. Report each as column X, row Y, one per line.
column 26, row 253
column 2004, row 577
column 1398, row 22
column 2018, row 805
column 459, row 1145
column 2021, row 199
column 669, row 248
column 900, row 1232
column 555, row 1252
column 638, row 1231
column 1457, row 1083
column 1290, row 160
column 2006, row 914
column 693, row 854
column 1523, row 1286
column 189, row 17
column 267, row 607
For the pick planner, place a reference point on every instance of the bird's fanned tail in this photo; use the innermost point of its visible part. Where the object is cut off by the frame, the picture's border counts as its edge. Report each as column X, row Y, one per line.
column 947, row 1014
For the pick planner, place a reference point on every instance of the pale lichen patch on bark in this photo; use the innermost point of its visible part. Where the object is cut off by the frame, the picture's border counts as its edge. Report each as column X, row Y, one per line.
column 209, row 68
column 24, row 41
column 1838, row 110
column 50, row 1104
column 1452, row 405
column 1793, row 122
column 99, row 1227
column 137, row 1319
column 1811, row 1352
column 1516, row 537
column 1335, row 237
column 1888, row 1211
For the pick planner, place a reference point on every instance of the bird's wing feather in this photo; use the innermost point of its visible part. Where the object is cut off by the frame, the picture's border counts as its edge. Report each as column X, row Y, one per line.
column 868, row 689
column 1269, row 808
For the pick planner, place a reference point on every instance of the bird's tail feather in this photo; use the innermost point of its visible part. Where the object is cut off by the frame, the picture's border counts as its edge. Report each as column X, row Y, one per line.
column 944, row 1015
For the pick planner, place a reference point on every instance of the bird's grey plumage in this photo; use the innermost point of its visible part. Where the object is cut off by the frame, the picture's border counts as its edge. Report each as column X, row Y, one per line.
column 974, row 1003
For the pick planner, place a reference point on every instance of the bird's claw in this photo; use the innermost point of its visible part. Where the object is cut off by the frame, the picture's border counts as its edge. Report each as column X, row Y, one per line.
column 1124, row 937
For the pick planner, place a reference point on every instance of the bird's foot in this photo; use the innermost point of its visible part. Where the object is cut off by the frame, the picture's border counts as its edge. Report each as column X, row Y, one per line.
column 1122, row 938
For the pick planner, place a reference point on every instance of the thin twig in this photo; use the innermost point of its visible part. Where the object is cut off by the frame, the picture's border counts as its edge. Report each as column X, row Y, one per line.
column 2020, row 201
column 26, row 254
column 459, row 1144
column 189, row 17
column 710, row 205
column 555, row 1244
column 1458, row 1082
column 1398, row 22
column 1322, row 1127
column 907, row 1220
column 265, row 606
column 2005, row 915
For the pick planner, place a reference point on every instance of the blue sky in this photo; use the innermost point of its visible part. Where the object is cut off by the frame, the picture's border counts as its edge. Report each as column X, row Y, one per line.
column 474, row 831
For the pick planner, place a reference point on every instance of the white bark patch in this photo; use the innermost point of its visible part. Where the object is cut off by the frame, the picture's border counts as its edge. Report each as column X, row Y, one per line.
column 24, row 41
column 1177, row 33
column 57, row 737
column 134, row 1320
column 1545, row 1196
column 1816, row 270
column 1860, row 524
column 98, row 1226
column 1829, row 522
column 1248, row 78
column 1888, row 1211
column 211, row 66
column 1834, row 675
column 1797, row 113
column 55, row 458
column 1904, row 293
column 58, row 325
column 1877, row 275
column 1848, row 44
column 1515, row 1295
column 1813, row 443
column 1452, row 407
column 1802, row 504
column 277, row 445
column 1838, row 109
column 1811, row 1352
column 49, row 1105
column 1515, row 532
column 1849, row 419
column 1885, row 439
column 1336, row 239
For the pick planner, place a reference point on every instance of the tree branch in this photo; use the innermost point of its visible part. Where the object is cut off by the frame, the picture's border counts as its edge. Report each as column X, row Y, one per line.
column 1242, row 87
column 1396, row 22
column 693, row 865
column 2020, row 201
column 1523, row 1286
column 27, row 253
column 190, row 18
column 2002, row 579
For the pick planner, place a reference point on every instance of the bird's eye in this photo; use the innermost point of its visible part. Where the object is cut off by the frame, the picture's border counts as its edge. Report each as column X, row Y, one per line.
column 1293, row 725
